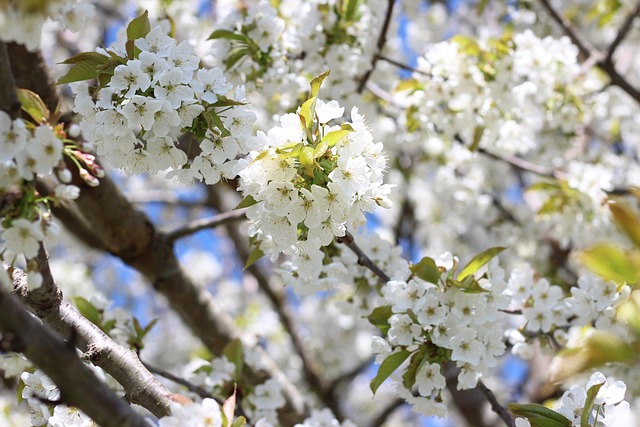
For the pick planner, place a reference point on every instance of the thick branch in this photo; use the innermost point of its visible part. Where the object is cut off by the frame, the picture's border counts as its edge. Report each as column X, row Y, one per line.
column 140, row 386
column 78, row 385
column 382, row 39
column 130, row 235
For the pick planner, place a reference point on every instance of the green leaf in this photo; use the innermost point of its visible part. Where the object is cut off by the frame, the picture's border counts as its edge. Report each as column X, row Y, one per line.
column 538, row 415
column 239, row 422
column 33, row 105
column 88, row 310
column 223, row 101
column 217, row 122
column 332, row 138
column 308, row 108
column 627, row 220
column 234, row 57
column 427, row 270
column 307, row 159
column 387, row 367
column 598, row 349
column 139, row 27
column 235, row 353
column 228, row 35
column 479, row 260
column 79, row 72
column 416, row 362
column 379, row 317
column 320, row 149
column 611, row 263
column 317, row 82
column 254, row 256
column 246, row 202
column 588, row 404
column 469, row 285
column 477, row 137
column 90, row 57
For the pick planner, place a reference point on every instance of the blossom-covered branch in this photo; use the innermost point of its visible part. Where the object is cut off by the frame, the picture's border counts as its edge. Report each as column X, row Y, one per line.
column 122, row 364
column 58, row 359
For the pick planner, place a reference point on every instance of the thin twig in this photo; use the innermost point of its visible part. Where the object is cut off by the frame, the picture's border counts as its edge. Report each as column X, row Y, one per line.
column 404, row 66
column 176, row 379
column 382, row 39
column 363, row 259
column 495, row 405
column 622, row 33
column 525, row 165
column 206, row 223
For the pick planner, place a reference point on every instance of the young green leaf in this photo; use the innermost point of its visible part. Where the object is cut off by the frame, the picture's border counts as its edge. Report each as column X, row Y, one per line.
column 387, row 367
column 379, row 317
column 627, row 220
column 228, row 35
column 139, row 27
column 332, row 138
column 538, row 415
column 88, row 310
column 479, row 260
column 254, row 256
column 31, row 104
column 235, row 353
column 588, row 404
column 611, row 263
column 246, row 202
column 427, row 270
column 81, row 71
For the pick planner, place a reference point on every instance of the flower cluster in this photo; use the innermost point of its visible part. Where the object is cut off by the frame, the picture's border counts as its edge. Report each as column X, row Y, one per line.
column 607, row 407
column 547, row 309
column 312, row 182
column 500, row 106
column 29, row 151
column 433, row 318
column 157, row 93
column 22, row 22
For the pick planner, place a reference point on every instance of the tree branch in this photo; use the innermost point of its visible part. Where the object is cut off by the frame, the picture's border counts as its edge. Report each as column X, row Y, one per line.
column 363, row 259
column 78, row 385
column 589, row 53
column 382, row 39
column 495, row 405
column 622, row 33
column 140, row 386
column 205, row 223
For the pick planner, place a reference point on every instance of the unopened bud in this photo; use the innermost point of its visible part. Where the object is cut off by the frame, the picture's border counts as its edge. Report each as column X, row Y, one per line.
column 64, row 175
column 89, row 179
column 74, row 131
